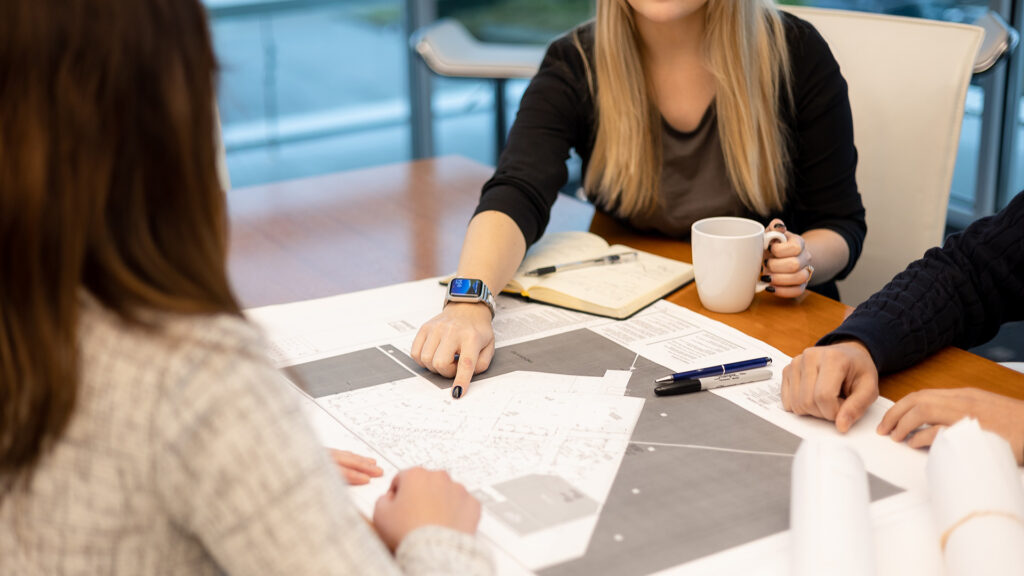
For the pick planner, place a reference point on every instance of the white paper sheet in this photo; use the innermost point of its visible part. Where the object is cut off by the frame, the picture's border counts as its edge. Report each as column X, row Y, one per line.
column 669, row 335
column 510, row 427
column 830, row 525
column 977, row 501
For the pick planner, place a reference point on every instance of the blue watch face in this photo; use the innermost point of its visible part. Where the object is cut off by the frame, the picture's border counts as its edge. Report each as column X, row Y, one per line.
column 466, row 287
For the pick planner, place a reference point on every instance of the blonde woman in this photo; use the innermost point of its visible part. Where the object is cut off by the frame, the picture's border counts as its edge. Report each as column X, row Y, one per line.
column 680, row 110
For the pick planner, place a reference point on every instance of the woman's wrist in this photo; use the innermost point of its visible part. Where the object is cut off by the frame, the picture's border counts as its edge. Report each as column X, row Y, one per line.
column 831, row 253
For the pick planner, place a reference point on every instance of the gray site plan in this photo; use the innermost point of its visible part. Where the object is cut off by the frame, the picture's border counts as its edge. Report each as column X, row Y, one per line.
column 700, row 474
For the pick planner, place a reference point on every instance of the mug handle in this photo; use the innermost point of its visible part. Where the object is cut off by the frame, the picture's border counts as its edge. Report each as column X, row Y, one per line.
column 769, row 237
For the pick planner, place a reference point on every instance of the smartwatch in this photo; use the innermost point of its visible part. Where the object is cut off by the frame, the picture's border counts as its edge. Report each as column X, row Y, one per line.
column 469, row 290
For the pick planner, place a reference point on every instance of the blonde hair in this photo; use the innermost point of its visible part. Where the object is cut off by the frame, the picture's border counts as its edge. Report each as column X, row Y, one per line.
column 746, row 52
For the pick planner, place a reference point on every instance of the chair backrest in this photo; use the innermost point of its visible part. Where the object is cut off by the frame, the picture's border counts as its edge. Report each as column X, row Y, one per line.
column 1000, row 40
column 450, row 50
column 908, row 82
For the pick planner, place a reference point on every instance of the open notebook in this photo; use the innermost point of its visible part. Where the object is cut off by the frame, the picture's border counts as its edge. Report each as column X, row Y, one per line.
column 612, row 290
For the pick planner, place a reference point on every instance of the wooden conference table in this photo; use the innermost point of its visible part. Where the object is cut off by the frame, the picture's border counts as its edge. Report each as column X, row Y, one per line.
column 348, row 231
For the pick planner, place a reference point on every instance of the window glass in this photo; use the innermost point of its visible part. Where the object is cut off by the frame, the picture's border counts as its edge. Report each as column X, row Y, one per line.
column 310, row 90
column 315, row 87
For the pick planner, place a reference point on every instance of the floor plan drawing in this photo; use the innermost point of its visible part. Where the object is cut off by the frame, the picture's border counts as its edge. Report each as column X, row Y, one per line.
column 579, row 467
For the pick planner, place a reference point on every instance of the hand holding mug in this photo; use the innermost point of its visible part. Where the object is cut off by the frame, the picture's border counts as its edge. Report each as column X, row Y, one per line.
column 728, row 253
column 787, row 264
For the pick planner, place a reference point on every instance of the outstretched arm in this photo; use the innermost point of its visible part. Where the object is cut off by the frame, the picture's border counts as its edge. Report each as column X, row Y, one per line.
column 492, row 251
column 958, row 294
column 955, row 295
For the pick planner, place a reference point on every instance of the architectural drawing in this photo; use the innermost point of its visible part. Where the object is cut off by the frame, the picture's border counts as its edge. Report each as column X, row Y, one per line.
column 687, row 455
column 579, row 467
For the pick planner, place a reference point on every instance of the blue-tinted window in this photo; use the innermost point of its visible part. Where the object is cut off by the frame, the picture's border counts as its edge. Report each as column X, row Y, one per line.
column 320, row 86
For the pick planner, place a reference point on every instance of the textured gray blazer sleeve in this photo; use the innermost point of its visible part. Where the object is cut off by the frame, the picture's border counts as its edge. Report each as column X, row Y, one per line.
column 241, row 468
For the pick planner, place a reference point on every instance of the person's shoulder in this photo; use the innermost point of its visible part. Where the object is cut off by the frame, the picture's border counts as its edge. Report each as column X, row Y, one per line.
column 222, row 333
column 169, row 352
column 573, row 46
column 156, row 337
column 218, row 367
column 793, row 23
column 802, row 38
column 1015, row 209
column 813, row 66
column 167, row 363
column 1005, row 228
column 221, row 348
column 580, row 36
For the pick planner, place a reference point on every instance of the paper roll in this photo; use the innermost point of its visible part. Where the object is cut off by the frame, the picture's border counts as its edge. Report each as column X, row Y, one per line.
column 829, row 520
column 977, row 501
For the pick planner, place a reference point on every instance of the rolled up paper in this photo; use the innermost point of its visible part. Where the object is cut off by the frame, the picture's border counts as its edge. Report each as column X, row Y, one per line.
column 977, row 501
column 829, row 520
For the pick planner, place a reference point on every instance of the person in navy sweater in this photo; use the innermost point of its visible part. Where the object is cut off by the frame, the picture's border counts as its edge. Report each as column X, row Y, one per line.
column 956, row 295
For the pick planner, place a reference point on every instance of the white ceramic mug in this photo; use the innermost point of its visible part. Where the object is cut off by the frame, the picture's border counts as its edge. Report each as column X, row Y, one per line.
column 727, row 256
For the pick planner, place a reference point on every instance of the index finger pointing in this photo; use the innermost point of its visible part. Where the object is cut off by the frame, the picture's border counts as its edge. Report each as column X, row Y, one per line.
column 464, row 371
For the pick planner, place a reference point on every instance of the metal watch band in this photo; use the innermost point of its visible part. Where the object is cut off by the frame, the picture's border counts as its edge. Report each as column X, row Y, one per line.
column 485, row 298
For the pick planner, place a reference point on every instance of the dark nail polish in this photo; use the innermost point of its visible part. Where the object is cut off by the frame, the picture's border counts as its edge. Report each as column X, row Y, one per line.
column 765, row 262
column 457, row 392
column 770, row 289
column 766, row 278
column 779, row 226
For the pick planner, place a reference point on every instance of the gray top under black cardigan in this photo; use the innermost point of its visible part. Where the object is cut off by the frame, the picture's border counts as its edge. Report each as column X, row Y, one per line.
column 557, row 114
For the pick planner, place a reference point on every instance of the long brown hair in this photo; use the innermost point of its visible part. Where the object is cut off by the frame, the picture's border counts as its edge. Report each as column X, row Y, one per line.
column 745, row 48
column 108, row 184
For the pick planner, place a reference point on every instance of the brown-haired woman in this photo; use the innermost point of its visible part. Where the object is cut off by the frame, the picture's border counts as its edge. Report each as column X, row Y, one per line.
column 142, row 429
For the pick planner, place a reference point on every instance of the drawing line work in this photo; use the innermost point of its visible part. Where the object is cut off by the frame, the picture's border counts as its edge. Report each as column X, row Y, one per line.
column 605, row 438
column 576, row 462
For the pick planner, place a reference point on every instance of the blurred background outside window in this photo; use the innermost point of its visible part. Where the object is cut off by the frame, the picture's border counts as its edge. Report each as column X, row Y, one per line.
column 316, row 86
column 312, row 87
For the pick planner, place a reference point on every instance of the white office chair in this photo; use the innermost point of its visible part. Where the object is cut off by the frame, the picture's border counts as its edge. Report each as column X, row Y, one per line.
column 1000, row 39
column 450, row 50
column 908, row 81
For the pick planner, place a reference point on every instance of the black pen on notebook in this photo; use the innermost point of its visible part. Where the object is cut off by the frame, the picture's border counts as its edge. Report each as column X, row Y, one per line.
column 610, row 259
column 717, row 370
column 710, row 383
